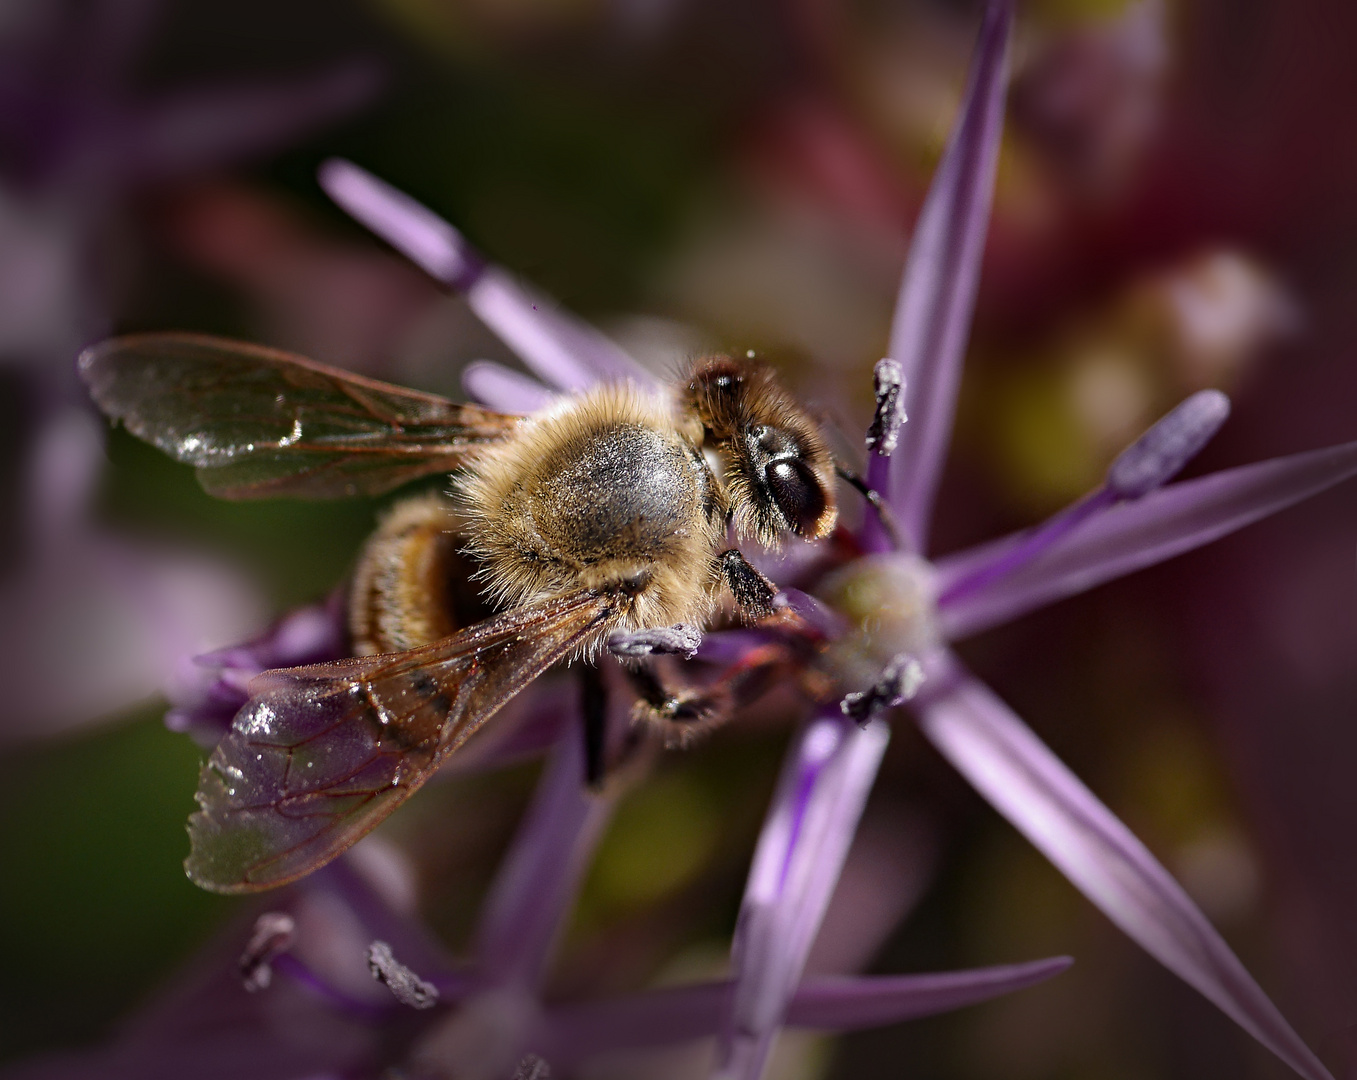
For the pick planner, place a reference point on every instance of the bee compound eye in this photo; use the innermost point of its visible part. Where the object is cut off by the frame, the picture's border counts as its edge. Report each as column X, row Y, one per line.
column 797, row 493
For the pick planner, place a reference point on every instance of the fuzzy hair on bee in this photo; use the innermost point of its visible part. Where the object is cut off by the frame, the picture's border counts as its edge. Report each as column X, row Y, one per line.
column 600, row 522
column 605, row 491
column 776, row 465
column 412, row 583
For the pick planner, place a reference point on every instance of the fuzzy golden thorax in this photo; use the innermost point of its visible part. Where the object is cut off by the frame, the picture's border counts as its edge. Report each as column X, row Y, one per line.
column 604, row 491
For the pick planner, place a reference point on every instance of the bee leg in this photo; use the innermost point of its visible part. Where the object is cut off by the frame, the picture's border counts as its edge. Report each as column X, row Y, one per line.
column 687, row 710
column 594, row 709
column 752, row 591
column 679, row 709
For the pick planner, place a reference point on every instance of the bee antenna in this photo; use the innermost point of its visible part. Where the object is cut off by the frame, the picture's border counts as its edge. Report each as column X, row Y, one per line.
column 873, row 497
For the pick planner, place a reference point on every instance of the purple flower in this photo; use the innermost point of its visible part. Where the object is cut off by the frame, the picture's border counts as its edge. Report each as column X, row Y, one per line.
column 75, row 144
column 915, row 608
column 890, row 615
column 135, row 612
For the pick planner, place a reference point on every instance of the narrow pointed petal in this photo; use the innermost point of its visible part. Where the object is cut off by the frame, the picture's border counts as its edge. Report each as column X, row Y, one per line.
column 564, row 351
column 570, row 1034
column 1175, row 439
column 198, row 131
column 847, row 1004
column 406, row 934
column 680, row 1013
column 937, row 293
column 1019, row 775
column 1134, row 535
column 503, row 388
column 1147, row 464
column 535, row 888
column 408, row 226
column 801, row 850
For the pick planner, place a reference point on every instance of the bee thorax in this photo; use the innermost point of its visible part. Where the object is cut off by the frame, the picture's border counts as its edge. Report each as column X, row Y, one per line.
column 624, row 492
column 604, row 495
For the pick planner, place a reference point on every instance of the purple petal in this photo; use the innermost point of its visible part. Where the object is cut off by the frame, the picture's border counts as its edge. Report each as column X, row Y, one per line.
column 410, row 227
column 403, row 930
column 564, row 351
column 503, row 388
column 575, row 1033
column 1017, row 552
column 676, row 1014
column 801, row 849
column 1175, row 439
column 1134, row 535
column 937, row 294
column 205, row 695
column 847, row 1004
column 540, row 875
column 1144, row 466
column 1005, row 761
column 200, row 130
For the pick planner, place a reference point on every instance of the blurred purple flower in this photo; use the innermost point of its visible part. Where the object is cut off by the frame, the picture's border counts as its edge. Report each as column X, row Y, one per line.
column 94, row 622
column 75, row 143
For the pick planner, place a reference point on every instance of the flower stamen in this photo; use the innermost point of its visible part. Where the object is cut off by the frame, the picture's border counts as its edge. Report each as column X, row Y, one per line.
column 1147, row 464
column 407, row 987
column 274, row 932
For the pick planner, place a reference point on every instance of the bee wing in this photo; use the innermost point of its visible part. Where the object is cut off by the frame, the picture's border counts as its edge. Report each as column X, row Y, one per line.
column 258, row 422
column 321, row 754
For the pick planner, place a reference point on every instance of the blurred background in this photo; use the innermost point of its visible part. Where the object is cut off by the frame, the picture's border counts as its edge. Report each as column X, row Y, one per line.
column 1177, row 208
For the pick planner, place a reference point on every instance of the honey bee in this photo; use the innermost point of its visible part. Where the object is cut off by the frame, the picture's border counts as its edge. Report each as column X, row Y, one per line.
column 599, row 522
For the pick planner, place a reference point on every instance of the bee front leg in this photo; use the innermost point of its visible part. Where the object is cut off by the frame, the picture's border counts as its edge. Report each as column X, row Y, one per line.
column 752, row 591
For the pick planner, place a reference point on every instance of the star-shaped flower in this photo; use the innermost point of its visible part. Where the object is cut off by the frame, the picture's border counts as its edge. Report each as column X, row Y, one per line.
column 891, row 615
column 1135, row 519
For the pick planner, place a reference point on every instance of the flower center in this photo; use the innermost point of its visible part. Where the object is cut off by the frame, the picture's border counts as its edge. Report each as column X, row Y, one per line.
column 890, row 602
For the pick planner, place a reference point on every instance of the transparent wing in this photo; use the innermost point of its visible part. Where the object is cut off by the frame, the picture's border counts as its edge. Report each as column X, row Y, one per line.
column 321, row 754
column 258, row 422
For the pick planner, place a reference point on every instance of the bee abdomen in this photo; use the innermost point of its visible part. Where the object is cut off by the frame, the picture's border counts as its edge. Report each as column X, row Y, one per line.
column 411, row 586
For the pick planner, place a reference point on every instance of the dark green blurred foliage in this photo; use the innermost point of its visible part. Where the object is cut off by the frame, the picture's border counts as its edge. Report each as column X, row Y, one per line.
column 95, row 902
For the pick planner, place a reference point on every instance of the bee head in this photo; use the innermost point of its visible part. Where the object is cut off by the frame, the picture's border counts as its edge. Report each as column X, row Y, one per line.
column 778, row 470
